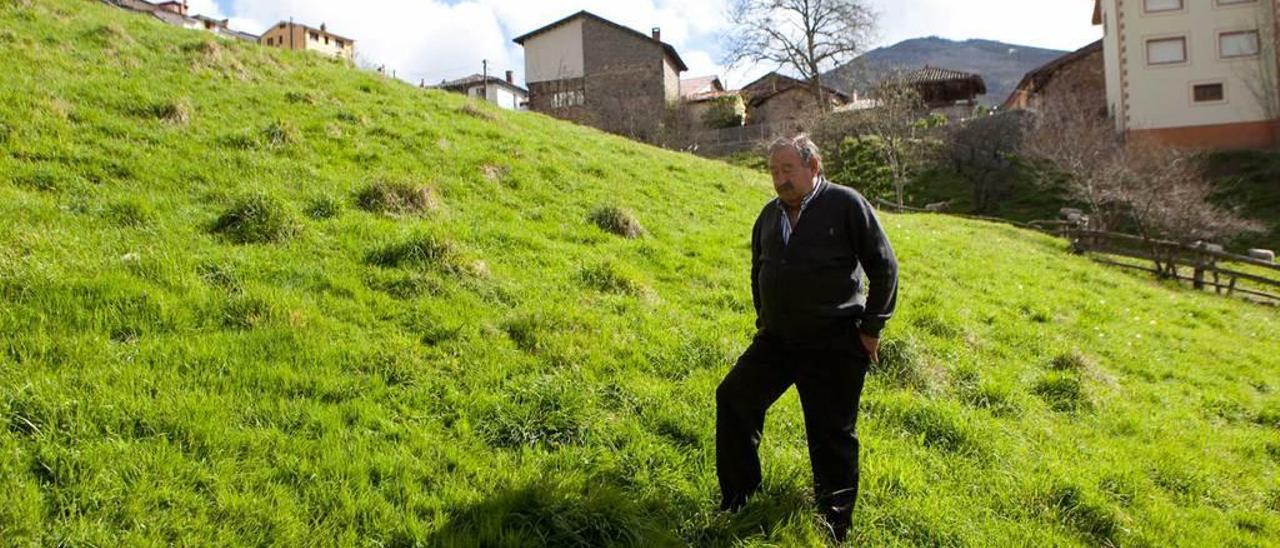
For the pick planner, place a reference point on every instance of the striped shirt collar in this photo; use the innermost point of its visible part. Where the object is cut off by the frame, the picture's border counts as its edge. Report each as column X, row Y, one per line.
column 804, row 204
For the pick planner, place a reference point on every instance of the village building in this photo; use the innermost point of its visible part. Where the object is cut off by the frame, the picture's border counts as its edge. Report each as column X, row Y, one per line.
column 1079, row 75
column 691, row 88
column 779, row 100
column 1192, row 73
column 176, row 14
column 951, row 93
column 221, row 27
column 499, row 91
column 295, row 36
column 590, row 70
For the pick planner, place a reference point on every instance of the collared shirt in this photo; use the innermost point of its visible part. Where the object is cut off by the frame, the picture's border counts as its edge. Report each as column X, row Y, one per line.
column 804, row 203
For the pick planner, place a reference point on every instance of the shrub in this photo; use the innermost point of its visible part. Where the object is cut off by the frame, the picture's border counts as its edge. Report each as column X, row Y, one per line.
column 279, row 134
column 170, row 112
column 858, row 162
column 243, row 312
column 44, row 179
column 300, row 97
column 1082, row 512
column 255, row 219
column 474, row 111
column 425, row 250
column 616, row 220
column 1071, row 361
column 903, row 365
column 543, row 412
column 1063, row 392
column 397, row 198
column 724, row 112
column 324, row 207
column 936, row 425
column 129, row 213
column 610, row 278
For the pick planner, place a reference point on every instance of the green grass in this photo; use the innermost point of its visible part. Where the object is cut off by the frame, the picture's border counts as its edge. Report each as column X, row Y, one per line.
column 496, row 369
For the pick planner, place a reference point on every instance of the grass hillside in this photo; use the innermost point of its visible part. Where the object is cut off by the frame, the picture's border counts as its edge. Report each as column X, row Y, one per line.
column 257, row 297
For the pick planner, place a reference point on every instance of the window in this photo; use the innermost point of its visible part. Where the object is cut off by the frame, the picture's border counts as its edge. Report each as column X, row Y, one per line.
column 1208, row 93
column 564, row 99
column 315, row 37
column 1155, row 6
column 338, row 42
column 1234, row 2
column 1167, row 51
column 326, row 40
column 1238, row 44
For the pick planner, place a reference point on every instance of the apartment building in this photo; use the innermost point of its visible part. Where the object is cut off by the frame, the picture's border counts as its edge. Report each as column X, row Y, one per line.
column 290, row 35
column 1193, row 73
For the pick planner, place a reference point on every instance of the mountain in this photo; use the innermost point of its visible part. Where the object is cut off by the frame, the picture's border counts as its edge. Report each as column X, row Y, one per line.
column 1001, row 65
column 257, row 297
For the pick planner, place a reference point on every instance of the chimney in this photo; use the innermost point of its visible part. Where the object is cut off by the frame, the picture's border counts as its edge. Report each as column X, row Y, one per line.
column 657, row 33
column 511, row 77
column 323, row 28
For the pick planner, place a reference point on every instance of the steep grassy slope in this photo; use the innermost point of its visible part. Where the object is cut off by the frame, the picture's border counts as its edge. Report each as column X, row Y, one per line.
column 251, row 296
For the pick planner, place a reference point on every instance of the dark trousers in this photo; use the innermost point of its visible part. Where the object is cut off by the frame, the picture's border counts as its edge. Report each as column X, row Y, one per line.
column 829, row 379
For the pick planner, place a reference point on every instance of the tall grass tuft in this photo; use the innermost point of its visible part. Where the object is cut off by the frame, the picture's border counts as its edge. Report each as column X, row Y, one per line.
column 397, row 198
column 616, row 220
column 257, row 219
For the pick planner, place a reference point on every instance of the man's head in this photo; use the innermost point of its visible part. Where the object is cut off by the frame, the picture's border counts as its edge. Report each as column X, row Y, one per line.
column 795, row 164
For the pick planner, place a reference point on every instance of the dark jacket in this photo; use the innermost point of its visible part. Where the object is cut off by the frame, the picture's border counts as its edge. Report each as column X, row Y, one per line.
column 811, row 288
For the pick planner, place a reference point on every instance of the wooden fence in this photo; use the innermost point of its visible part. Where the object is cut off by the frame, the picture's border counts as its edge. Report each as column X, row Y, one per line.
column 730, row 140
column 1209, row 268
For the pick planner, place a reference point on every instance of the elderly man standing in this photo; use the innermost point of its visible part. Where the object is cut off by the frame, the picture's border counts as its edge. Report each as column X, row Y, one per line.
column 816, row 329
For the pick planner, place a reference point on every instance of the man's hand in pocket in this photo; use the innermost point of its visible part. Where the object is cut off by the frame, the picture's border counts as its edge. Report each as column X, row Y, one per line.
column 872, row 344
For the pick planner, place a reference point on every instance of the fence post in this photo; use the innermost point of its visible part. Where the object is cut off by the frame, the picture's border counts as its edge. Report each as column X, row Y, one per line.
column 1198, row 281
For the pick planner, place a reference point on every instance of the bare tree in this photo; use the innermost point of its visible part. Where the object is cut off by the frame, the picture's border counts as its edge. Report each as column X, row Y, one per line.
column 1081, row 151
column 1167, row 197
column 896, row 121
column 1263, row 78
column 805, row 36
column 1159, row 191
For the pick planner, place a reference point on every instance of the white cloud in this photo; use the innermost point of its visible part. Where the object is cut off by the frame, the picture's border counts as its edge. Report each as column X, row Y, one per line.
column 434, row 39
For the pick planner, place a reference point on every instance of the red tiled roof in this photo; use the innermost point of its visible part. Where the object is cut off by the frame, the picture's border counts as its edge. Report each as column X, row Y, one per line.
column 694, row 86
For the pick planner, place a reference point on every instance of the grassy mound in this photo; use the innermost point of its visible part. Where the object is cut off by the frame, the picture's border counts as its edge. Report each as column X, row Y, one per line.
column 502, row 371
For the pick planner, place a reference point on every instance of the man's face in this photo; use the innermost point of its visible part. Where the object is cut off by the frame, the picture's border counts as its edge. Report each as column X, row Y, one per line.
column 792, row 178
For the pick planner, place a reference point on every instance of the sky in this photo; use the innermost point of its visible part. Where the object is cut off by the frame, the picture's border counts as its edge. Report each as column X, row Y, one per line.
column 432, row 40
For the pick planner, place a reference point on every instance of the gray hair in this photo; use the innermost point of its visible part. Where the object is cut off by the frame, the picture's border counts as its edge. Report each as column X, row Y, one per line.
column 802, row 144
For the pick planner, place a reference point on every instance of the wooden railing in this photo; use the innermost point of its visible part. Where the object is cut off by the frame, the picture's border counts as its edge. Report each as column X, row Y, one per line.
column 1209, row 268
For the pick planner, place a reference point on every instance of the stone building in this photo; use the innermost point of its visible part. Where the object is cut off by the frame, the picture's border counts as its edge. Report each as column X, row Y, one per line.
column 780, row 100
column 590, row 70
column 290, row 35
column 1080, row 73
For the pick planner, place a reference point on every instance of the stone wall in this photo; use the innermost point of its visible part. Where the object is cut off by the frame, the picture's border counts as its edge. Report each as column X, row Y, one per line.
column 625, row 81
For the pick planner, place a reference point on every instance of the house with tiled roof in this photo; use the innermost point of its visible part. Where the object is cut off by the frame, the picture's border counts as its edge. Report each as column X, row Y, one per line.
column 692, row 88
column 1080, row 73
column 778, row 99
column 500, row 91
column 590, row 70
column 939, row 87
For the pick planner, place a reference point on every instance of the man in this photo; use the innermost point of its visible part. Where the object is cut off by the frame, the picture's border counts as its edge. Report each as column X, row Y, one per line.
column 815, row 328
